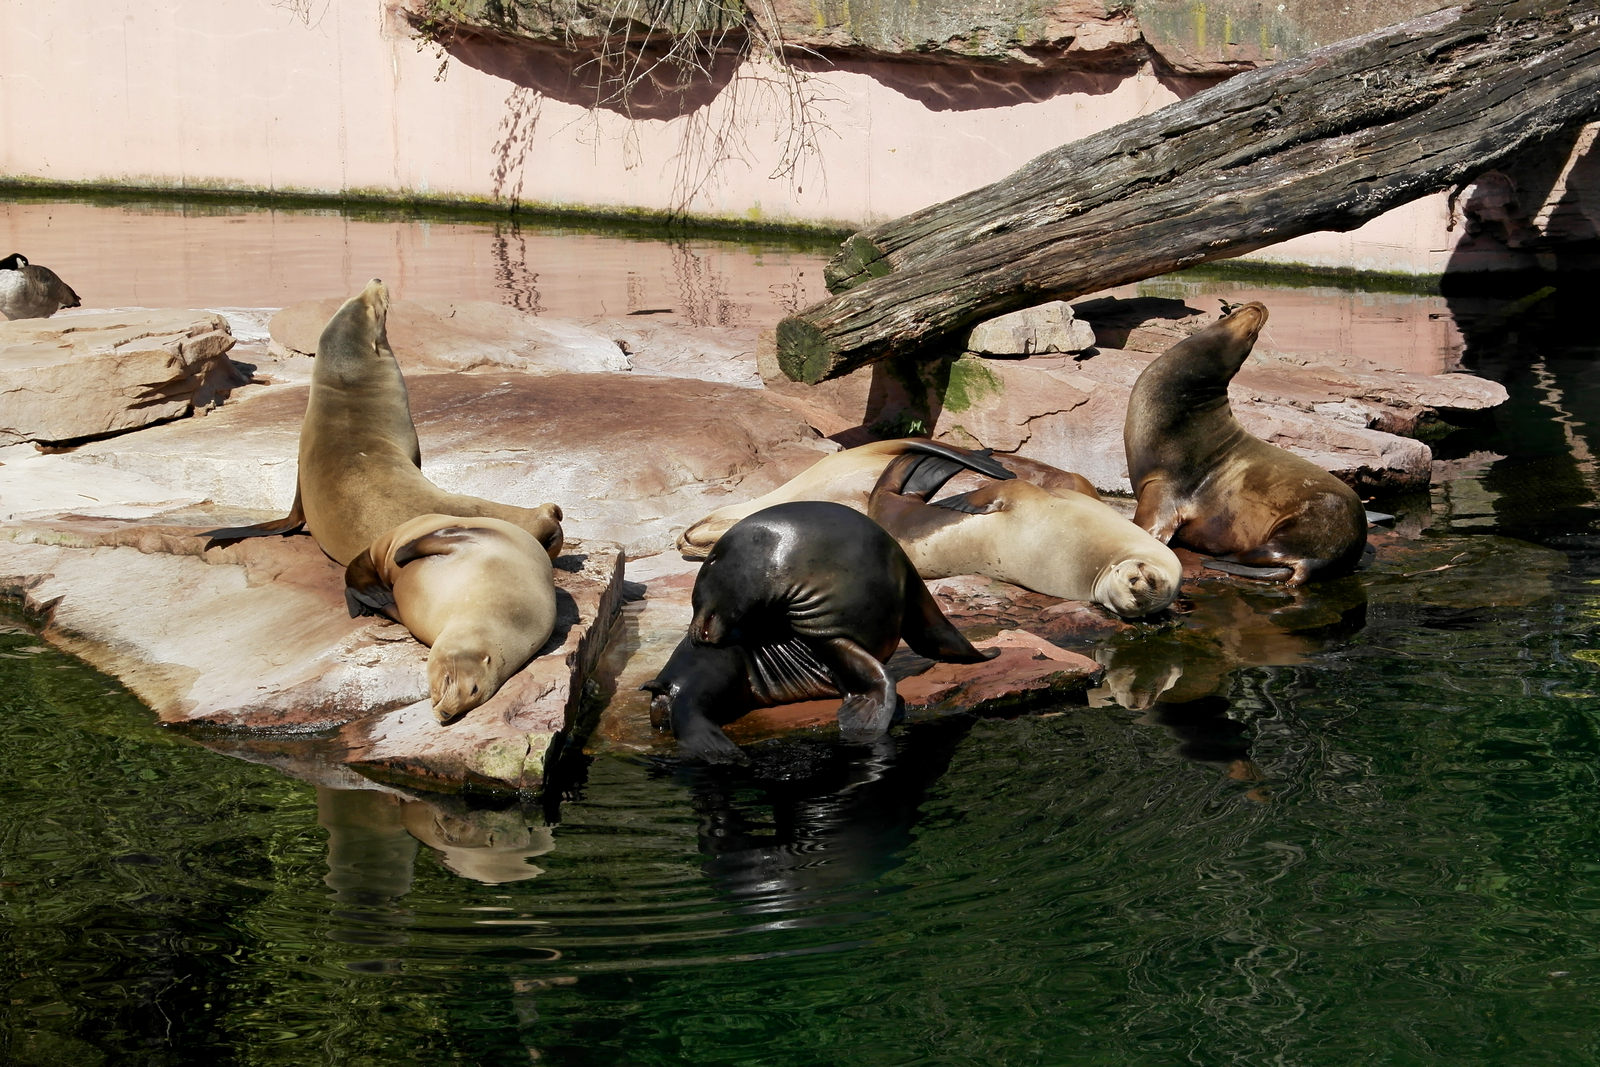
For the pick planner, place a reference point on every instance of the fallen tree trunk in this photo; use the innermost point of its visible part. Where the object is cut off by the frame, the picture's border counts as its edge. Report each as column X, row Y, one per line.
column 1322, row 142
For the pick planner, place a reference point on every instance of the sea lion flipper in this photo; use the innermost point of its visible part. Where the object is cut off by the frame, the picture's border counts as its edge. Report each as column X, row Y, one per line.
column 980, row 460
column 925, row 466
column 977, row 502
column 290, row 523
column 1276, row 572
column 433, row 543
column 700, row 738
column 365, row 593
column 870, row 701
column 929, row 632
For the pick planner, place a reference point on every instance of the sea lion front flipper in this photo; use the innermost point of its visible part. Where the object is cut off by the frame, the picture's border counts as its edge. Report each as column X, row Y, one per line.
column 697, row 682
column 364, row 592
column 1266, row 573
column 1158, row 512
column 290, row 523
column 870, row 700
column 433, row 543
column 929, row 632
column 700, row 738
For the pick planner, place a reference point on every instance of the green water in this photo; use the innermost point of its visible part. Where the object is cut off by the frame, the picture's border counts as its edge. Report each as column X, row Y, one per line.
column 1376, row 842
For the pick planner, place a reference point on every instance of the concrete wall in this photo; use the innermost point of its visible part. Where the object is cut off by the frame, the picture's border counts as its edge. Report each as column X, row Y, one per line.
column 338, row 96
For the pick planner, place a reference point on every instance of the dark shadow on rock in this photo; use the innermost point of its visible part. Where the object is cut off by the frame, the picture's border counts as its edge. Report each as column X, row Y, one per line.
column 978, row 84
column 583, row 79
column 1114, row 319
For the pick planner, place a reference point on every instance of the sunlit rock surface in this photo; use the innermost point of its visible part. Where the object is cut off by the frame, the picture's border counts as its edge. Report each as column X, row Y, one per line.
column 75, row 376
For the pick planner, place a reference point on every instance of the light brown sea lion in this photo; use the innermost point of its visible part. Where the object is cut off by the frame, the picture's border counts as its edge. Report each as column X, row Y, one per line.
column 477, row 591
column 1060, row 543
column 29, row 291
column 1205, row 483
column 801, row 600
column 847, row 477
column 360, row 465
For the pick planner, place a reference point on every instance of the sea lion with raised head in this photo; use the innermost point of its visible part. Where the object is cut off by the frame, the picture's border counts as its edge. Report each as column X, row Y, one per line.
column 1060, row 543
column 360, row 465
column 477, row 591
column 847, row 477
column 30, row 291
column 800, row 600
column 1205, row 483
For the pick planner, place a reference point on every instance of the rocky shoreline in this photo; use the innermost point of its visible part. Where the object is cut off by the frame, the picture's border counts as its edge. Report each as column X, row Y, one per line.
column 636, row 429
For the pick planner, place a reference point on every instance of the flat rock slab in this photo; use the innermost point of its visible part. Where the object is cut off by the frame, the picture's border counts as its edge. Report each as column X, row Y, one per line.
column 631, row 459
column 254, row 639
column 77, row 376
column 1030, row 670
column 462, row 335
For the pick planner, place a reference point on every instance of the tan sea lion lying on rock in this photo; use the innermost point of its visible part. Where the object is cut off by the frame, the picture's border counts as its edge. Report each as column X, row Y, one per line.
column 847, row 477
column 1060, row 543
column 1203, row 482
column 360, row 464
column 477, row 591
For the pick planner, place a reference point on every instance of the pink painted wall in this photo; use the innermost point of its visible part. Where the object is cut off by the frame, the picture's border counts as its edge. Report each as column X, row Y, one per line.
column 334, row 95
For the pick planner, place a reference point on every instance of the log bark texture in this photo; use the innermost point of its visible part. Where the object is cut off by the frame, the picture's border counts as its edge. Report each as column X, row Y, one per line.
column 1323, row 142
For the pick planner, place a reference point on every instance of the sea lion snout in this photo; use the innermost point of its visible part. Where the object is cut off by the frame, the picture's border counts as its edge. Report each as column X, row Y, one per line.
column 1245, row 322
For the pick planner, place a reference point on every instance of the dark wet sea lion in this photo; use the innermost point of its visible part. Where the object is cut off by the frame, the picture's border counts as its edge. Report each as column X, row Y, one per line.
column 477, row 591
column 1205, row 483
column 1061, row 543
column 29, row 291
column 800, row 600
column 360, row 465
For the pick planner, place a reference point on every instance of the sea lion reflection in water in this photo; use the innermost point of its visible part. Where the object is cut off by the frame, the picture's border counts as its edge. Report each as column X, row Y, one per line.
column 360, row 468
column 1203, row 482
column 801, row 600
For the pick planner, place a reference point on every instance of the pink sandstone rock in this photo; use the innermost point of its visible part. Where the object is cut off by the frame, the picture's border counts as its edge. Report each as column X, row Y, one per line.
column 88, row 375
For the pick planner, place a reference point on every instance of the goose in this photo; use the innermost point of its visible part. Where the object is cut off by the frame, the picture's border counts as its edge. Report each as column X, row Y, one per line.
column 29, row 291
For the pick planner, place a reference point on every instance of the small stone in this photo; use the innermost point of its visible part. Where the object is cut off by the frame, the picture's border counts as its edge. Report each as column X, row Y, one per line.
column 80, row 376
column 1037, row 330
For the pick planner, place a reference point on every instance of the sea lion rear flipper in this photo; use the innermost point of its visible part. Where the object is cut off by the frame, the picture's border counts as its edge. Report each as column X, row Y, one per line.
column 870, row 701
column 979, row 459
column 433, row 543
column 929, row 632
column 290, row 523
column 925, row 466
column 364, row 592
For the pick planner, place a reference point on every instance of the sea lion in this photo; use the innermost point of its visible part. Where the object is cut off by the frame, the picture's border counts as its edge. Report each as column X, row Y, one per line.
column 29, row 291
column 1060, row 543
column 1205, row 483
column 477, row 591
column 800, row 600
column 847, row 477
column 360, row 465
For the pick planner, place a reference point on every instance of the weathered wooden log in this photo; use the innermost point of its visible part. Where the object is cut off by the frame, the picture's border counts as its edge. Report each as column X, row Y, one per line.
column 1322, row 142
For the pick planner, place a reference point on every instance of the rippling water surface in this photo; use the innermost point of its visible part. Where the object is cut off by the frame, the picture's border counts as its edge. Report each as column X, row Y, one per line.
column 1357, row 824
